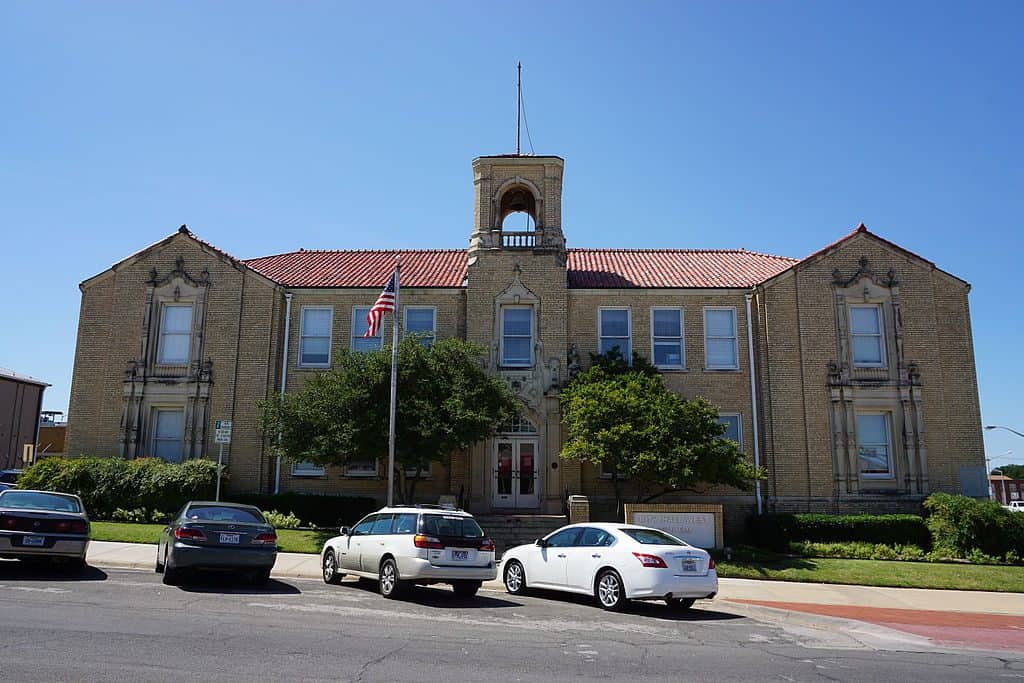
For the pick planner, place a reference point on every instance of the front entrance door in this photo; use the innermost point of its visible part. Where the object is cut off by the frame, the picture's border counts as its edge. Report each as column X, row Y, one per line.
column 515, row 473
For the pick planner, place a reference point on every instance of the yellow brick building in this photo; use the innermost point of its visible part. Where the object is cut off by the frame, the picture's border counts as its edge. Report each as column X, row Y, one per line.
column 849, row 375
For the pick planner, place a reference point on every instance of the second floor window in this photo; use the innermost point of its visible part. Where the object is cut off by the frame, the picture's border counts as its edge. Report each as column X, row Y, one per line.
column 315, row 337
column 421, row 321
column 613, row 328
column 359, row 327
column 667, row 337
column 866, row 336
column 175, row 334
column 517, row 336
column 720, row 348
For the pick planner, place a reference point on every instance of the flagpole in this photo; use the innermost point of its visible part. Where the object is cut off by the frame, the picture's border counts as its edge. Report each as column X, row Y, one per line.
column 394, row 386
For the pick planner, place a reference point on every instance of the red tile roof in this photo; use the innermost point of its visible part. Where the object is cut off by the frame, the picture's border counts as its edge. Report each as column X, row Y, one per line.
column 587, row 268
column 628, row 268
column 426, row 268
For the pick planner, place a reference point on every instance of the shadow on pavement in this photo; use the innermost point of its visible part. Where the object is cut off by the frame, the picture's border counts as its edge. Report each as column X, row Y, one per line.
column 231, row 584
column 439, row 595
column 37, row 570
column 701, row 611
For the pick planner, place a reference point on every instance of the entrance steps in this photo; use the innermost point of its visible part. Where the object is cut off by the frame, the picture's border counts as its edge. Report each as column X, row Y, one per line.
column 508, row 531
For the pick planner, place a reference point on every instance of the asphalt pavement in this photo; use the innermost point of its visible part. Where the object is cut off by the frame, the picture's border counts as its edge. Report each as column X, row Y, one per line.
column 120, row 625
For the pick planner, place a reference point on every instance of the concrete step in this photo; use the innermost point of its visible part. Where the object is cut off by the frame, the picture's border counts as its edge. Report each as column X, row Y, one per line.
column 508, row 531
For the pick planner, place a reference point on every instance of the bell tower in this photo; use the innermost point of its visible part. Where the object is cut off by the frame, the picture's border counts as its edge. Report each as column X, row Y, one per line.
column 517, row 204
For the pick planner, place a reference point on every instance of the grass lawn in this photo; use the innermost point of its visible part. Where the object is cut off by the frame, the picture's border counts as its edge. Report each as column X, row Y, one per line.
column 288, row 541
column 880, row 573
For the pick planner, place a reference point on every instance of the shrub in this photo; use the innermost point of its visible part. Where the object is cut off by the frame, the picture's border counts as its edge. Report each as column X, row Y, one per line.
column 777, row 531
column 858, row 550
column 107, row 485
column 966, row 527
column 279, row 520
column 325, row 511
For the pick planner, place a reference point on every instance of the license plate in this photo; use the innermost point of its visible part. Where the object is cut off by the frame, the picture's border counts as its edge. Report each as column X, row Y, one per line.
column 460, row 554
column 33, row 540
column 230, row 538
column 689, row 565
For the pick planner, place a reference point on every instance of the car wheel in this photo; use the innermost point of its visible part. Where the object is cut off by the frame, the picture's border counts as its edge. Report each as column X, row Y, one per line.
column 261, row 577
column 681, row 604
column 75, row 565
column 466, row 589
column 515, row 578
column 390, row 583
column 609, row 590
column 330, row 567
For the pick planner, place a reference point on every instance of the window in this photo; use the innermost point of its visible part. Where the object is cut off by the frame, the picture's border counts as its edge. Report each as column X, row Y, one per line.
column 451, row 526
column 175, row 334
column 519, row 424
column 363, row 528
column 405, row 523
column 720, row 350
column 866, row 335
column 874, row 446
column 565, row 538
column 382, row 525
column 651, row 537
column 614, row 331
column 733, row 427
column 307, row 469
column 517, row 336
column 169, row 434
column 362, row 468
column 421, row 321
column 667, row 338
column 315, row 337
column 596, row 537
column 359, row 327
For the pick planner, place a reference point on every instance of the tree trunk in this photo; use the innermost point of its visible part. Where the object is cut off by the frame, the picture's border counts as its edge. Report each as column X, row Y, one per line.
column 617, row 485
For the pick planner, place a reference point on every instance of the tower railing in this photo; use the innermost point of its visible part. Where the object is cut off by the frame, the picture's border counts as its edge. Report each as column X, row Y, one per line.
column 518, row 239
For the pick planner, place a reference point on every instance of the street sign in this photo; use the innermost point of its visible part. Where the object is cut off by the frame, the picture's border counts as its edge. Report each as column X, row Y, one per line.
column 222, row 431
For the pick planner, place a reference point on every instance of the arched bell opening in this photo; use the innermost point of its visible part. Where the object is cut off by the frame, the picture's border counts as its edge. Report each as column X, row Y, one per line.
column 518, row 213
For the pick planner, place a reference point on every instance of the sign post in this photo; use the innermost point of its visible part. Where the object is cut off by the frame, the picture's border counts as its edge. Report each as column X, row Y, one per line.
column 221, row 436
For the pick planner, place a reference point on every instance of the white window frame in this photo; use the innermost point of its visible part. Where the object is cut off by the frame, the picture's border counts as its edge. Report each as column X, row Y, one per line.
column 734, row 338
column 880, row 335
column 533, row 335
column 887, row 417
column 162, row 333
column 405, row 321
column 352, row 329
column 628, row 352
column 739, row 425
column 363, row 473
column 682, row 338
column 154, row 438
column 303, row 335
column 305, row 468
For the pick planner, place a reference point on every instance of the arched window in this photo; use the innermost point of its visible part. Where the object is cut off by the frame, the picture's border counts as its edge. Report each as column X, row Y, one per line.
column 519, row 424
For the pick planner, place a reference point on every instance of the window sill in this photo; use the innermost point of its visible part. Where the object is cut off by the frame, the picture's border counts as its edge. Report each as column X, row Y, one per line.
column 312, row 367
column 310, row 474
column 360, row 475
column 671, row 368
column 707, row 369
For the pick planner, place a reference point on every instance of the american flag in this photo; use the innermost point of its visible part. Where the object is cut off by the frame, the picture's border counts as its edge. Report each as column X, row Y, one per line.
column 385, row 302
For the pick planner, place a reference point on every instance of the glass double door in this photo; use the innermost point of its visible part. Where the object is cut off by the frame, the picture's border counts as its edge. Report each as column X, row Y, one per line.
column 515, row 473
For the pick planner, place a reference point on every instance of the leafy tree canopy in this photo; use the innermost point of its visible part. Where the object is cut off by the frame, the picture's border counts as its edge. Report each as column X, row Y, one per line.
column 1011, row 471
column 446, row 402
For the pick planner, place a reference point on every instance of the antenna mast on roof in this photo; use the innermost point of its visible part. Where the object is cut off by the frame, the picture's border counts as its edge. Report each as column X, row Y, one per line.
column 519, row 101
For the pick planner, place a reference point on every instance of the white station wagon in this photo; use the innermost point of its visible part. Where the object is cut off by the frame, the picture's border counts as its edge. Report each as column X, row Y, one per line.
column 403, row 546
column 615, row 563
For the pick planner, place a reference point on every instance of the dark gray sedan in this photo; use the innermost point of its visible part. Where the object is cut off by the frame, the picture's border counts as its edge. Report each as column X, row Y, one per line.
column 217, row 536
column 43, row 525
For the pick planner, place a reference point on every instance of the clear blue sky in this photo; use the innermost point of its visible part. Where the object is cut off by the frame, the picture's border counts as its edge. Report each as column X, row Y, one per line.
column 774, row 126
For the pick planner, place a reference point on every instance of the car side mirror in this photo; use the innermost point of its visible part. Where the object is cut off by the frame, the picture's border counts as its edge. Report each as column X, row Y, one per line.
column 345, row 531
column 541, row 543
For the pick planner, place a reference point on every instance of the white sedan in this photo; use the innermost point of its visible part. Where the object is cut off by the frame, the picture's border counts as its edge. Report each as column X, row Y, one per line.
column 615, row 563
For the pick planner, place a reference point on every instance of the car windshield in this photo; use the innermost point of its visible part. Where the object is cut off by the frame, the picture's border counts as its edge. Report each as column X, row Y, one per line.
column 651, row 537
column 451, row 525
column 34, row 500
column 223, row 513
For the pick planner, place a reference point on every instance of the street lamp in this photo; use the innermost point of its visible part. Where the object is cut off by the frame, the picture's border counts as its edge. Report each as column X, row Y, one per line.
column 1006, row 428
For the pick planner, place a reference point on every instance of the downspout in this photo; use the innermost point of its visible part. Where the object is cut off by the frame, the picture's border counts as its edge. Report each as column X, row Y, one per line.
column 753, row 402
column 284, row 377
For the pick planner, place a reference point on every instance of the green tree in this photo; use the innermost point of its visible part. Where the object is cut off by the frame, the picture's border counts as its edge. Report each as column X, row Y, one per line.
column 446, row 402
column 634, row 427
column 1011, row 471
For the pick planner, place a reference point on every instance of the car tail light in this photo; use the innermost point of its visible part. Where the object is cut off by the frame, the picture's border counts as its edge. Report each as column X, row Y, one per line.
column 487, row 545
column 711, row 563
column 652, row 561
column 265, row 539
column 74, row 526
column 421, row 541
column 10, row 522
column 187, row 533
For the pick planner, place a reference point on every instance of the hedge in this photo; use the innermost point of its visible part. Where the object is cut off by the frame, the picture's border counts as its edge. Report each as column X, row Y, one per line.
column 963, row 526
column 319, row 510
column 106, row 484
column 777, row 531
